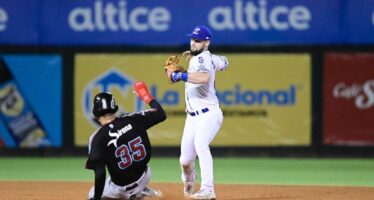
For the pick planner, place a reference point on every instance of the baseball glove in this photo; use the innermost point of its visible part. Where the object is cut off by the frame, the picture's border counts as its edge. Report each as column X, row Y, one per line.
column 172, row 65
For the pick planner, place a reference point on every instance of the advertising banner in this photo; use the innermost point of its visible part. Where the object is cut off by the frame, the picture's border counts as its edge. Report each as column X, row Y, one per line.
column 30, row 101
column 266, row 100
column 19, row 22
column 358, row 22
column 265, row 97
column 348, row 99
column 165, row 22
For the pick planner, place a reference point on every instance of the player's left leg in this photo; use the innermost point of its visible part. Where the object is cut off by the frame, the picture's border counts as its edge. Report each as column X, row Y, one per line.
column 209, row 124
column 142, row 191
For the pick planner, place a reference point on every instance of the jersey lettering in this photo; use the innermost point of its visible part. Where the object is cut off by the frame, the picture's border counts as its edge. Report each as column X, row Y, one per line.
column 126, row 160
column 133, row 152
column 118, row 134
column 201, row 59
column 137, row 148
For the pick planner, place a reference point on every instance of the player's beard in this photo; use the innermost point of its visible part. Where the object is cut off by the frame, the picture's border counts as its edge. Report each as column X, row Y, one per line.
column 196, row 52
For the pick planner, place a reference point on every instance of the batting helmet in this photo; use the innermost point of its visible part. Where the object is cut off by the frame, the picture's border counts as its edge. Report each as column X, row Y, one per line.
column 104, row 103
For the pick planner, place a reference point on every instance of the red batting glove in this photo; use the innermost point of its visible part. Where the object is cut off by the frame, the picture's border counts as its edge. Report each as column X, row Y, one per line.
column 141, row 90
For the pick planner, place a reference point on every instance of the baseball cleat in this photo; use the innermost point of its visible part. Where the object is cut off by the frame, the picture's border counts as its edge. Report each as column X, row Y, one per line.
column 149, row 192
column 188, row 189
column 205, row 194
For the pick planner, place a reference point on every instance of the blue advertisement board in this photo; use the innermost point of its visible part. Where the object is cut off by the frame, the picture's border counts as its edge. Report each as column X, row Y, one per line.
column 166, row 22
column 358, row 22
column 19, row 22
column 30, row 101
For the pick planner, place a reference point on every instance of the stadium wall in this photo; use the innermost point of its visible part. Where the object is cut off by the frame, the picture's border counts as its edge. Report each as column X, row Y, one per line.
column 313, row 60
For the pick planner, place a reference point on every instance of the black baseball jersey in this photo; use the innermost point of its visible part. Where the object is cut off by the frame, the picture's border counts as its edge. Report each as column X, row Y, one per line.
column 123, row 146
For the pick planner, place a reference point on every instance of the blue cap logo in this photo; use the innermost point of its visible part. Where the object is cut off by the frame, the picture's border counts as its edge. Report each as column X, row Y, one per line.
column 201, row 33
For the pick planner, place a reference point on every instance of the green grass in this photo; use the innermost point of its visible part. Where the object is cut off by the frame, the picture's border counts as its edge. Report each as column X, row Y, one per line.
column 282, row 171
column 69, row 169
column 352, row 172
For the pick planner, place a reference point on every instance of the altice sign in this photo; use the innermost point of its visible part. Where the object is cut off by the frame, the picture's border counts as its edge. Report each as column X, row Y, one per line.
column 115, row 16
column 157, row 22
column 252, row 15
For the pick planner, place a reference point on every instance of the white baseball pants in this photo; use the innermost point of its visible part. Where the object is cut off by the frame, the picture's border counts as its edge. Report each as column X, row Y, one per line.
column 199, row 131
column 111, row 190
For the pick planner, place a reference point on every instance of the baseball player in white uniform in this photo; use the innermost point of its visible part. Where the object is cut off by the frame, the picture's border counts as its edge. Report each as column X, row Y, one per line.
column 204, row 116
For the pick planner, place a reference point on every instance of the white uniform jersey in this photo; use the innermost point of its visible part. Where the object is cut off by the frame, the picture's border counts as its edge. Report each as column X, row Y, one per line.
column 199, row 96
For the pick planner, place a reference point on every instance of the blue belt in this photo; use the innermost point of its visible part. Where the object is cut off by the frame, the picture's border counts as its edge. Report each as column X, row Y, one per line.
column 193, row 114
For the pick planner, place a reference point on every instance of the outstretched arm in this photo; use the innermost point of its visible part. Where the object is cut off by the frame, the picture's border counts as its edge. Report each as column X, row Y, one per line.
column 194, row 77
column 152, row 116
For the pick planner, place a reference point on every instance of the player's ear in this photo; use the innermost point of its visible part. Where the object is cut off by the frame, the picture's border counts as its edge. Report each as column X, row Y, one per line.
column 207, row 43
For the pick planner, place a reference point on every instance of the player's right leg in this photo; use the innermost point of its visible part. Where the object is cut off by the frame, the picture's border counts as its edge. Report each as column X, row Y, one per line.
column 187, row 158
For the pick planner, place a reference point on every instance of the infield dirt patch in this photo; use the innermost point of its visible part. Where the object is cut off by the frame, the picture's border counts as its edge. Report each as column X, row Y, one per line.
column 29, row 190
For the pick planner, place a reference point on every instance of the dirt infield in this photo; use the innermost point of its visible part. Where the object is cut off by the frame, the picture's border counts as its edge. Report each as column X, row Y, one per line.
column 11, row 190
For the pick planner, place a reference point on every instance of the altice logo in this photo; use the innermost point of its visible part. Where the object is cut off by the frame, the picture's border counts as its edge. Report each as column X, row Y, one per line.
column 249, row 15
column 109, row 16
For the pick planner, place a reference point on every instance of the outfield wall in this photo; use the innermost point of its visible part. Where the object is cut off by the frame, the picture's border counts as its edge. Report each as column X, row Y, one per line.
column 277, row 100
column 300, row 80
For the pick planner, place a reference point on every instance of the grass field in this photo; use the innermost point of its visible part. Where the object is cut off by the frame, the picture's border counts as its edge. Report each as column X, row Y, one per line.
column 282, row 171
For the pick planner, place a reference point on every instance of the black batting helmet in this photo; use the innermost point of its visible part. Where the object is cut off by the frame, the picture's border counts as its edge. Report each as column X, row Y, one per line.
column 104, row 103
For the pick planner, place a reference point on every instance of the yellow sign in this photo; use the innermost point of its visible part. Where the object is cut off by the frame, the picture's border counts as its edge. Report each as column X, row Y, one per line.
column 265, row 97
column 116, row 73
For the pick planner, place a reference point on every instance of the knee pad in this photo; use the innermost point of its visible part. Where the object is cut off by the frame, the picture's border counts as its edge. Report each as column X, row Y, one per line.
column 184, row 161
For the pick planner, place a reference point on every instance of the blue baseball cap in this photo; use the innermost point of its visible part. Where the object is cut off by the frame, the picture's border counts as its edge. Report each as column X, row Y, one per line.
column 201, row 33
